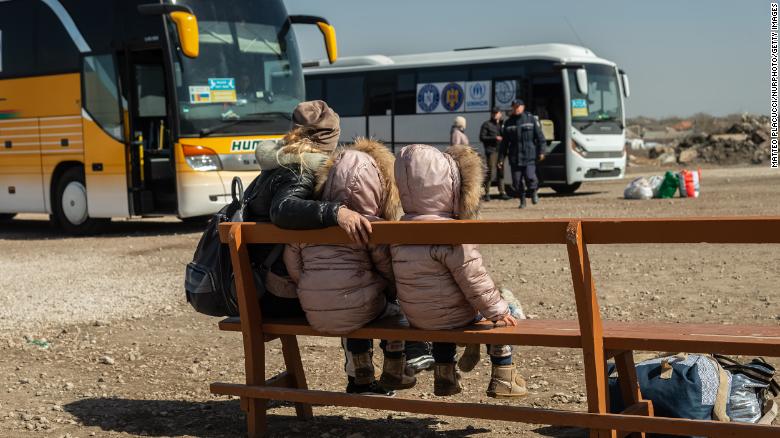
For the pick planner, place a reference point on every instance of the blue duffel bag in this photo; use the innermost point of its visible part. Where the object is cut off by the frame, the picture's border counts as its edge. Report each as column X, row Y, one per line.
column 682, row 386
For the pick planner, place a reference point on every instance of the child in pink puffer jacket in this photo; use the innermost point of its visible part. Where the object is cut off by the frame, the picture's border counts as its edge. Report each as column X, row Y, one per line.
column 447, row 286
column 344, row 287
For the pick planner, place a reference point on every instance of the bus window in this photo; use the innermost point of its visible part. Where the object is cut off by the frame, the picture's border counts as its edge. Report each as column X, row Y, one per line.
column 17, row 59
column 486, row 72
column 100, row 93
column 442, row 75
column 314, row 89
column 151, row 90
column 406, row 94
column 380, row 94
column 345, row 95
column 56, row 51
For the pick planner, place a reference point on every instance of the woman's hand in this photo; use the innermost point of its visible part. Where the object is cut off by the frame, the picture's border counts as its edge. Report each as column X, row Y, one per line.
column 358, row 228
column 506, row 321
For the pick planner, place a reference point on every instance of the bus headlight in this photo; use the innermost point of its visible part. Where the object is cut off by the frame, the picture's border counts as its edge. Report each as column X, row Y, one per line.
column 578, row 149
column 201, row 158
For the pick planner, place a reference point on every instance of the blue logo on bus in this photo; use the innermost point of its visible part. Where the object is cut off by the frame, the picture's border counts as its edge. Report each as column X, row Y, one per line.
column 428, row 98
column 452, row 96
column 477, row 91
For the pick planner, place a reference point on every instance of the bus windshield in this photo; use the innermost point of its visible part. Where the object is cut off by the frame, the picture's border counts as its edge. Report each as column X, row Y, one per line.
column 600, row 111
column 247, row 78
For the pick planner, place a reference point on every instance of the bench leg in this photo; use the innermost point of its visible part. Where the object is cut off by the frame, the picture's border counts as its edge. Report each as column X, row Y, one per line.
column 292, row 361
column 256, row 422
column 629, row 390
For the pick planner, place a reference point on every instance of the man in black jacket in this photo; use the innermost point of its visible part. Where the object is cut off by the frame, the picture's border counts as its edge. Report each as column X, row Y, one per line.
column 523, row 142
column 490, row 136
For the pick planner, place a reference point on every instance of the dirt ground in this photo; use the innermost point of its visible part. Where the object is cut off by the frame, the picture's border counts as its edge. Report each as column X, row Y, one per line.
column 96, row 338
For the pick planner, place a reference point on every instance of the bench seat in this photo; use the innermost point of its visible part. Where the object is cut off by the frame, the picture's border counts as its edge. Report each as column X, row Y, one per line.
column 761, row 340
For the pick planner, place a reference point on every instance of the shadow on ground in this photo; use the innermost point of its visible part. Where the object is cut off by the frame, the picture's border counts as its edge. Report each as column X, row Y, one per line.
column 224, row 419
column 23, row 229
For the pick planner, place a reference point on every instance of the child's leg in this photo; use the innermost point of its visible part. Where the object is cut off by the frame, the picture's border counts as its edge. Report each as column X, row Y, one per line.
column 444, row 352
column 446, row 380
column 505, row 381
column 360, row 368
column 500, row 354
column 394, row 370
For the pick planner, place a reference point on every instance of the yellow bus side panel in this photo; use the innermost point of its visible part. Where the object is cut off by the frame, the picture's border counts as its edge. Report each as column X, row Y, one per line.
column 41, row 96
column 21, row 184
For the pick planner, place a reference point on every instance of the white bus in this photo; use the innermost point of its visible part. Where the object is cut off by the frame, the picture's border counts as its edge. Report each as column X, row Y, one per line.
column 409, row 99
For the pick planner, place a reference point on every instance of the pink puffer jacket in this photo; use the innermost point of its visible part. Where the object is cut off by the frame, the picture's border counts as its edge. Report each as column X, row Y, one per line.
column 442, row 286
column 344, row 287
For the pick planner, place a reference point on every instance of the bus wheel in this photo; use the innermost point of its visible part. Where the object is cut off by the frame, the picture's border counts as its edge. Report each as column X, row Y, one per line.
column 565, row 189
column 196, row 220
column 5, row 217
column 69, row 204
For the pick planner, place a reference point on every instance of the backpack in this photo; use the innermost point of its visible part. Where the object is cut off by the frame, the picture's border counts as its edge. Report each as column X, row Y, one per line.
column 691, row 386
column 209, row 276
column 753, row 389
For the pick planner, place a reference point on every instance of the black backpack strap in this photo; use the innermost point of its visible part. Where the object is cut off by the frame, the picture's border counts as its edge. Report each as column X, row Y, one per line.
column 272, row 257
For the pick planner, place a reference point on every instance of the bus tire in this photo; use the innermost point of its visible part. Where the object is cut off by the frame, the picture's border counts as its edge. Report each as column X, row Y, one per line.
column 196, row 220
column 69, row 204
column 566, row 189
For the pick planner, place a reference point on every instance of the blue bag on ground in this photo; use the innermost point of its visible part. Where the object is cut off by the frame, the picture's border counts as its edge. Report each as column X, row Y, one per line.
column 682, row 386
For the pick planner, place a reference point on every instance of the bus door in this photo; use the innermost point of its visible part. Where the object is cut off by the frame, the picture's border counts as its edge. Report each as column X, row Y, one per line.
column 380, row 108
column 152, row 176
column 546, row 92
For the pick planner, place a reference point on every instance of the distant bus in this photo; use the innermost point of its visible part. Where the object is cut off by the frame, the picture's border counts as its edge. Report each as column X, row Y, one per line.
column 407, row 99
column 118, row 108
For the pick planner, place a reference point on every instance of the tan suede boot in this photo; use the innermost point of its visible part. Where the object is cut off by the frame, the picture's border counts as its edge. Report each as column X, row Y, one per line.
column 470, row 358
column 364, row 368
column 446, row 380
column 394, row 374
column 506, row 382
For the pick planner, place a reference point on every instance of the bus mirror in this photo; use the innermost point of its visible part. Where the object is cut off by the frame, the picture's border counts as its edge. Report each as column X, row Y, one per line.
column 582, row 81
column 626, row 88
column 329, row 34
column 187, row 28
column 186, row 24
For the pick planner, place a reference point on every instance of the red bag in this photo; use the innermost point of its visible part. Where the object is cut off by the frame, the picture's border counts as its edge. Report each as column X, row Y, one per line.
column 689, row 183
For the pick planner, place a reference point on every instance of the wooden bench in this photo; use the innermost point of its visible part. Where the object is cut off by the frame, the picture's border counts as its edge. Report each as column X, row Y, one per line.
column 598, row 340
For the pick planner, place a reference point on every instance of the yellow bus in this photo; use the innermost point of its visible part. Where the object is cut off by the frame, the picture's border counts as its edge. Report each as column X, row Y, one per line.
column 120, row 108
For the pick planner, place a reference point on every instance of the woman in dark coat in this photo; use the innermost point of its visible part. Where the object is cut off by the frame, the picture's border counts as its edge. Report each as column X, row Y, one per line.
column 283, row 195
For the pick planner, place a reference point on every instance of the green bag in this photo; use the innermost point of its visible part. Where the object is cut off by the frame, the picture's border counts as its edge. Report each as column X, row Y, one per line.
column 669, row 185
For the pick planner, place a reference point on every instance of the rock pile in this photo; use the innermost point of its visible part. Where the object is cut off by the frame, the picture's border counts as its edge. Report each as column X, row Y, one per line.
column 743, row 142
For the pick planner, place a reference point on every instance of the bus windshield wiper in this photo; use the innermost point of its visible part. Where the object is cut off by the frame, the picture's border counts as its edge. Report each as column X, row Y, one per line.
column 252, row 117
column 602, row 119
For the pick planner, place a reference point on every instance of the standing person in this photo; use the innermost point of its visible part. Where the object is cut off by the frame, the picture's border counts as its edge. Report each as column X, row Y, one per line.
column 344, row 287
column 457, row 134
column 523, row 143
column 490, row 136
column 283, row 195
column 444, row 287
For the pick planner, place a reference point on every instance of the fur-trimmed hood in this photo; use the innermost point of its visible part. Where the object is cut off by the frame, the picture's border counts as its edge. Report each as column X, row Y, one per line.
column 271, row 154
column 439, row 185
column 360, row 176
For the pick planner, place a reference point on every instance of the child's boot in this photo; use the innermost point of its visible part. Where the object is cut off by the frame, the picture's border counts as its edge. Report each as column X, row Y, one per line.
column 395, row 374
column 364, row 381
column 505, row 381
column 446, row 380
column 469, row 359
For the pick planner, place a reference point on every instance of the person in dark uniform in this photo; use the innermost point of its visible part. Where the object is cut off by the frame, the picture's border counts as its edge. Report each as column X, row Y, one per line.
column 490, row 136
column 523, row 142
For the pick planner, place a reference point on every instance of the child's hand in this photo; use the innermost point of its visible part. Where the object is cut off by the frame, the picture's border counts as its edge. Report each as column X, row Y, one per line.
column 506, row 321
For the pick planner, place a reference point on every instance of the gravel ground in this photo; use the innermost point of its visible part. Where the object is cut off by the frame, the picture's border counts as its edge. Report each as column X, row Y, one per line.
column 97, row 340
